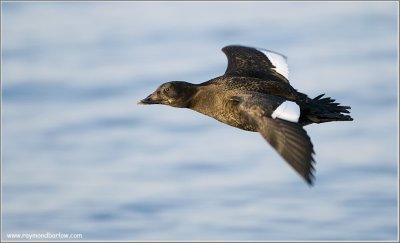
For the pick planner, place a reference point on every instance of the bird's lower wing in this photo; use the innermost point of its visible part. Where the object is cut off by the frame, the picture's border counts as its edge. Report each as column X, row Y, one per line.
column 289, row 139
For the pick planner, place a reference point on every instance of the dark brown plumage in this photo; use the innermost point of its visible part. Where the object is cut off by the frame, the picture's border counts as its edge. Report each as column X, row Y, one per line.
column 254, row 94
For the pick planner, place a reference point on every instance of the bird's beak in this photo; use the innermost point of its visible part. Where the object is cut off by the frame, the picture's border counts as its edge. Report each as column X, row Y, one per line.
column 151, row 99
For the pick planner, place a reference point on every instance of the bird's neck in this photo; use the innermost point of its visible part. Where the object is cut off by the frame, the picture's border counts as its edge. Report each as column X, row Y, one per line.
column 202, row 101
column 190, row 92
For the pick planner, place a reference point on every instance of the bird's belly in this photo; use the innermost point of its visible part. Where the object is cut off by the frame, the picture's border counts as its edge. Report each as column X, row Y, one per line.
column 233, row 118
column 238, row 124
column 222, row 109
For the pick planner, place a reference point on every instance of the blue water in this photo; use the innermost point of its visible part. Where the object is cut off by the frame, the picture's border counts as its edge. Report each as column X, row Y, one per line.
column 79, row 156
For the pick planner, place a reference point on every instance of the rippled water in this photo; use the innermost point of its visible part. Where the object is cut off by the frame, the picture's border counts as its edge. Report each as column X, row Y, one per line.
column 79, row 156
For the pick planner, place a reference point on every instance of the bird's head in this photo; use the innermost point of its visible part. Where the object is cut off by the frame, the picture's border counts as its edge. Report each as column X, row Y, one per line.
column 174, row 93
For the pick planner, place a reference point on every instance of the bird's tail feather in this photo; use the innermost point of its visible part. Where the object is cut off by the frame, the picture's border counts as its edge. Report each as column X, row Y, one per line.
column 325, row 109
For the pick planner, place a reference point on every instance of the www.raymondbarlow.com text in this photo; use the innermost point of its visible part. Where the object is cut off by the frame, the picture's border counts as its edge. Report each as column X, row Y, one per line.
column 47, row 235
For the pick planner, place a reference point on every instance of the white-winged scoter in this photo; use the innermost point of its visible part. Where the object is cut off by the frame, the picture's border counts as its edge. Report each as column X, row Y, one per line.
column 254, row 94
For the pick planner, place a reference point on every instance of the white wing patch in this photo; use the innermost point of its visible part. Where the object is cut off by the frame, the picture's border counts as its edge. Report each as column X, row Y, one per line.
column 279, row 61
column 288, row 111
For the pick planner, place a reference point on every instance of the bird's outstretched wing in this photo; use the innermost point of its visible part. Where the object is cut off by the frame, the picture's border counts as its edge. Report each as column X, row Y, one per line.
column 256, row 63
column 289, row 139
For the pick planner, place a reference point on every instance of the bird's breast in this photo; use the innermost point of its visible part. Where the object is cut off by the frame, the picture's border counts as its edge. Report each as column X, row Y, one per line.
column 224, row 110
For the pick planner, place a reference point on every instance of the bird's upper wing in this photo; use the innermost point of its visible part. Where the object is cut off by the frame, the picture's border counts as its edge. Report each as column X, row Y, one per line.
column 289, row 139
column 255, row 62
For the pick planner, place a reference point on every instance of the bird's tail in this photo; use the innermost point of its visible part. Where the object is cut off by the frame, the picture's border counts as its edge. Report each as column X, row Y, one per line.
column 319, row 110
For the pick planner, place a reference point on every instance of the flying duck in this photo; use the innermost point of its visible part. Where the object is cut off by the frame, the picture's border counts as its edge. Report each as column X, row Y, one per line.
column 254, row 94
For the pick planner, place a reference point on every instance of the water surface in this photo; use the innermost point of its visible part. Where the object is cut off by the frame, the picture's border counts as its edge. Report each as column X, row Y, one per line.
column 79, row 156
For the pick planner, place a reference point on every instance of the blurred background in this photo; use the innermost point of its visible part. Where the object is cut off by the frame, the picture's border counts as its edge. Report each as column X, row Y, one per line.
column 79, row 156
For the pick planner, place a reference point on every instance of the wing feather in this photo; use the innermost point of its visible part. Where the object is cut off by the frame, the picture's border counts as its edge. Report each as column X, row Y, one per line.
column 257, row 63
column 289, row 139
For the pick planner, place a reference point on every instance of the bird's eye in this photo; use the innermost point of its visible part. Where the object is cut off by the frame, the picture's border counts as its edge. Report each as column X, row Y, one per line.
column 167, row 89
